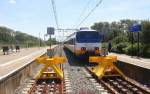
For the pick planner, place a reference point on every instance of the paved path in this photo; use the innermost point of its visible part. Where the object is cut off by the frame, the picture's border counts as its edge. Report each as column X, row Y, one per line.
column 16, row 55
column 12, row 62
column 141, row 62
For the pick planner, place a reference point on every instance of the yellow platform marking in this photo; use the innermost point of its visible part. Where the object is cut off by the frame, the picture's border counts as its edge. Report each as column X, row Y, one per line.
column 105, row 66
column 50, row 63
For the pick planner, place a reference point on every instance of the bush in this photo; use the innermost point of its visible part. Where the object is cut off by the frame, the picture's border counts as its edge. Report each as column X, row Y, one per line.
column 120, row 39
column 120, row 48
column 145, row 51
column 131, row 51
column 104, row 45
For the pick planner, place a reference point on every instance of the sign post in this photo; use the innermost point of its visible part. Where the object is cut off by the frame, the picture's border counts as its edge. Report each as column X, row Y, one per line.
column 138, row 45
column 132, row 29
column 50, row 31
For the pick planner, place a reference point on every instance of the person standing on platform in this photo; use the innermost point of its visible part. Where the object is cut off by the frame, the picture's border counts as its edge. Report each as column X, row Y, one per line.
column 109, row 47
column 17, row 48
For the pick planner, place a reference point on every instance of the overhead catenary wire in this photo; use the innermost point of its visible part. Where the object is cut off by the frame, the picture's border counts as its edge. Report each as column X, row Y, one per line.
column 55, row 13
column 82, row 13
column 92, row 10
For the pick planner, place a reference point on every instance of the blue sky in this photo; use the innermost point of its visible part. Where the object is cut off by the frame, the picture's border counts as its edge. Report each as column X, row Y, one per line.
column 33, row 16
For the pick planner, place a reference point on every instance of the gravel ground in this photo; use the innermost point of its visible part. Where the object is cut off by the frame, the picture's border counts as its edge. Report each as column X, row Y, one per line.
column 77, row 80
column 81, row 81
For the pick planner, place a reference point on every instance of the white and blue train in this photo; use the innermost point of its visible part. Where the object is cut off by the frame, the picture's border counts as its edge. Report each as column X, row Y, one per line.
column 84, row 43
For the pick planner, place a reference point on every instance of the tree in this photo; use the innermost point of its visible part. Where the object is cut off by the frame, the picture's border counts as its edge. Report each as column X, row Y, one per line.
column 9, row 37
column 6, row 35
column 145, row 36
column 51, row 41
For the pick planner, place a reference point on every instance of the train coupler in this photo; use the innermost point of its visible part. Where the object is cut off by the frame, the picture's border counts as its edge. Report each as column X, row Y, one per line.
column 105, row 67
column 51, row 69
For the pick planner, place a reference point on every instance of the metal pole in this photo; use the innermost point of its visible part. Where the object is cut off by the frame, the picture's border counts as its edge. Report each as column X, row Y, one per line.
column 44, row 37
column 132, row 44
column 138, row 44
column 39, row 40
column 50, row 46
column 50, row 41
column 44, row 40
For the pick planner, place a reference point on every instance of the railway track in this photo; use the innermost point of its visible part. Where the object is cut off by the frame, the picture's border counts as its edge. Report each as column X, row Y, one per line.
column 42, row 87
column 122, row 86
column 48, row 87
column 82, row 77
column 81, row 81
column 119, row 85
column 78, row 79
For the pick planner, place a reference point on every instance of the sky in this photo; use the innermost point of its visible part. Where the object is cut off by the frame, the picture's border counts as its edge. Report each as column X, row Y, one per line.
column 34, row 16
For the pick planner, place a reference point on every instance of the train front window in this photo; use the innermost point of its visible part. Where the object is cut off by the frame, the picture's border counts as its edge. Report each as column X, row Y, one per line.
column 88, row 37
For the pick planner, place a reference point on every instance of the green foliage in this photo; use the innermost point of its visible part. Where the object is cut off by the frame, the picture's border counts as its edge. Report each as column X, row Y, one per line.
column 11, row 37
column 51, row 41
column 104, row 29
column 131, row 51
column 20, row 37
column 145, row 35
column 104, row 45
column 120, row 48
column 145, row 51
column 121, row 38
column 6, row 35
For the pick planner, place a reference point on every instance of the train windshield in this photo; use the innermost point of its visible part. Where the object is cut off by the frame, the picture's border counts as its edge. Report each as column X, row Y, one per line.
column 88, row 37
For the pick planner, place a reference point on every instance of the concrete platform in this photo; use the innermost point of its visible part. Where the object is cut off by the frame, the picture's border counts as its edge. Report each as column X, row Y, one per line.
column 134, row 68
column 17, row 68
column 140, row 62
column 12, row 62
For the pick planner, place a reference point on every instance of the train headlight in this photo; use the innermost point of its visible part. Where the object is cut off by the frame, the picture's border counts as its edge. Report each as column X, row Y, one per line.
column 83, row 48
column 97, row 51
column 96, row 48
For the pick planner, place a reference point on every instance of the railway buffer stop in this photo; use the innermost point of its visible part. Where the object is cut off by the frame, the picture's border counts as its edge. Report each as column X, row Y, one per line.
column 53, row 64
column 105, row 67
column 51, row 75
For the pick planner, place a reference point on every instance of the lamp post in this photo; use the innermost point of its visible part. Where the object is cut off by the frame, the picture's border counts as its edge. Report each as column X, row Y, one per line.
column 45, row 39
column 39, row 40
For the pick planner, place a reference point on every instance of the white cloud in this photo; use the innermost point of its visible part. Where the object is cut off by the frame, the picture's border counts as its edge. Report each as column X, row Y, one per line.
column 12, row 1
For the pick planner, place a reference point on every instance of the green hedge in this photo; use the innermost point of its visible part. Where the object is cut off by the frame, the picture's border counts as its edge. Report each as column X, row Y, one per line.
column 119, row 48
column 134, row 51
column 126, row 48
column 144, row 50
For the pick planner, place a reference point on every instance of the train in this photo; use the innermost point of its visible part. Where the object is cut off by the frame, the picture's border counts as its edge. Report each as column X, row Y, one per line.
column 84, row 43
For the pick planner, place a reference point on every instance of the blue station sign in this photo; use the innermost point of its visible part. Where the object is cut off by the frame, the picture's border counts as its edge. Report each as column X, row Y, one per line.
column 135, row 28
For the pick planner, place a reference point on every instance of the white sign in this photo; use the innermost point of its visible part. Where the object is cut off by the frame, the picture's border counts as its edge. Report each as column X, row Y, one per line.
column 50, row 30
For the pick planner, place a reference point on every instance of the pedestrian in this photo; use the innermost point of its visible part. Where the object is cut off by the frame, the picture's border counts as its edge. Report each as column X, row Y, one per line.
column 17, row 48
column 5, row 50
column 109, row 47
